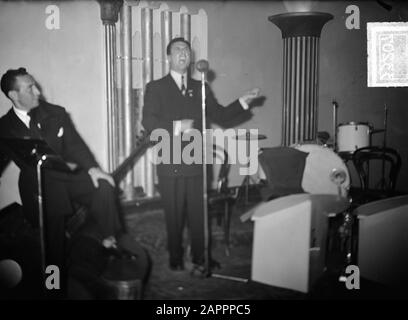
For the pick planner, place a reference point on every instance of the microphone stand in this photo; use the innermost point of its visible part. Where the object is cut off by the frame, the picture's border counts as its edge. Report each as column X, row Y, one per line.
column 335, row 106
column 207, row 258
column 41, row 216
column 43, row 159
column 207, row 270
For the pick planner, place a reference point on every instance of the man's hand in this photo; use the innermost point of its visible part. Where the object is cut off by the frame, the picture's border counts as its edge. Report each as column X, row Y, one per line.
column 251, row 95
column 183, row 126
column 186, row 124
column 97, row 173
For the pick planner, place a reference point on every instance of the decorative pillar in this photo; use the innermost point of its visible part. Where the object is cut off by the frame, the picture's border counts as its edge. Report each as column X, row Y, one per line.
column 185, row 26
column 166, row 22
column 185, row 32
column 301, row 34
column 147, row 45
column 109, row 17
column 126, row 144
column 146, row 174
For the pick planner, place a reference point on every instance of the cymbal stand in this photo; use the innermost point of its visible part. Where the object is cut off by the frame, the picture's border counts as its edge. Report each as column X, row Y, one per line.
column 335, row 106
column 382, row 182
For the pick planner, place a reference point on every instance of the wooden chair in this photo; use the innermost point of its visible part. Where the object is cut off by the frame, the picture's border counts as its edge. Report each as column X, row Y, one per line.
column 369, row 161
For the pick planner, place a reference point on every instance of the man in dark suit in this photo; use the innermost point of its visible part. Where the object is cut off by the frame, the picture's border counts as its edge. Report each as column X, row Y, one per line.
column 173, row 103
column 33, row 118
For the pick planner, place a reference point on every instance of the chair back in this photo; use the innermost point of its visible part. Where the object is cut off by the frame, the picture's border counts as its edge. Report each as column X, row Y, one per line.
column 284, row 169
column 365, row 158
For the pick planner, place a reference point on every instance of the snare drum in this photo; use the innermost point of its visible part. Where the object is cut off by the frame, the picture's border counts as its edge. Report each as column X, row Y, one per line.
column 352, row 136
column 321, row 171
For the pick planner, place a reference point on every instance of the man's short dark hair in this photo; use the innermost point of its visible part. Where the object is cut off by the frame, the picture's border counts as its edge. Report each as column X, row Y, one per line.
column 8, row 80
column 179, row 39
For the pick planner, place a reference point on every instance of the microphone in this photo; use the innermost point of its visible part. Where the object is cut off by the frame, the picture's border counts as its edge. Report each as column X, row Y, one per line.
column 202, row 65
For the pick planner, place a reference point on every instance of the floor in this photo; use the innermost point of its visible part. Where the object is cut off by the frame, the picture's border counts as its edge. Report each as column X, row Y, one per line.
column 230, row 281
column 233, row 280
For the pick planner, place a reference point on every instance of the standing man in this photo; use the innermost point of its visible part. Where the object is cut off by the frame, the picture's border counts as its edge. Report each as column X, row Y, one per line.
column 173, row 103
column 32, row 118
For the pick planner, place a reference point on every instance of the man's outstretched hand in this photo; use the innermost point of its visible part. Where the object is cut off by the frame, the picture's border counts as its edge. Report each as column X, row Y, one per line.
column 249, row 96
column 97, row 173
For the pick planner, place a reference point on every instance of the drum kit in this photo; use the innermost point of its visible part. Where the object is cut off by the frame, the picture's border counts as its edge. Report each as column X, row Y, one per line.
column 326, row 171
column 349, row 137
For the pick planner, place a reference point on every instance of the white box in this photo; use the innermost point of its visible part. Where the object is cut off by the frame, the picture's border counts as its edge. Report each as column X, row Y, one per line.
column 383, row 241
column 290, row 235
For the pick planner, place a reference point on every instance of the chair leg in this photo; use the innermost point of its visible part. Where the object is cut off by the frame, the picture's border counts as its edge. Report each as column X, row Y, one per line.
column 227, row 228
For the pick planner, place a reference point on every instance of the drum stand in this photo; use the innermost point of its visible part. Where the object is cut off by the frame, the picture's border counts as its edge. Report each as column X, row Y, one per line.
column 347, row 240
column 346, row 229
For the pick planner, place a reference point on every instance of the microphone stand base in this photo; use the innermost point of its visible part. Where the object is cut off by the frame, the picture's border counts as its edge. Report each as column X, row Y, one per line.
column 221, row 276
column 202, row 273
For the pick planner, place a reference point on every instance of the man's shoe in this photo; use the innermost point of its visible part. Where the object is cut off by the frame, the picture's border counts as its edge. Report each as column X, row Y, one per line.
column 176, row 266
column 200, row 270
column 214, row 264
column 120, row 253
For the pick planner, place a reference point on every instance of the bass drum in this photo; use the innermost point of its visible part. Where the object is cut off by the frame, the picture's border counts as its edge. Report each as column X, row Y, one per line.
column 325, row 172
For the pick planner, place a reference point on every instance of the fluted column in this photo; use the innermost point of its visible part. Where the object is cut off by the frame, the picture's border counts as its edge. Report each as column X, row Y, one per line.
column 301, row 34
column 109, row 17
column 166, row 37
column 127, row 137
column 146, row 175
column 185, row 26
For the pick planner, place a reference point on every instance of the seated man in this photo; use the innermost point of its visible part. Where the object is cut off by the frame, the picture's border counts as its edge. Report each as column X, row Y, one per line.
column 30, row 117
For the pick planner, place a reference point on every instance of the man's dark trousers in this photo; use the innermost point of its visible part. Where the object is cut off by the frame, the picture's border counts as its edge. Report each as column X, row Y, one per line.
column 182, row 198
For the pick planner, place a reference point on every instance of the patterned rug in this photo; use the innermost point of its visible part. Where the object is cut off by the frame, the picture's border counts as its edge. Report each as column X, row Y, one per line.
column 231, row 281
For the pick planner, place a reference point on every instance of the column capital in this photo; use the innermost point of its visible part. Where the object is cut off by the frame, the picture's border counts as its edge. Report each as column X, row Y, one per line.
column 300, row 24
column 110, row 10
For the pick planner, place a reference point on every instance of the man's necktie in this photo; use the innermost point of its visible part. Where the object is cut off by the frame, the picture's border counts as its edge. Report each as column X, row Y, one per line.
column 183, row 87
column 35, row 131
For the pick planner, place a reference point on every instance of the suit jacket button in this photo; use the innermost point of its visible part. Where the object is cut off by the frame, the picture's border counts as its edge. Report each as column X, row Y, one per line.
column 175, row 170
